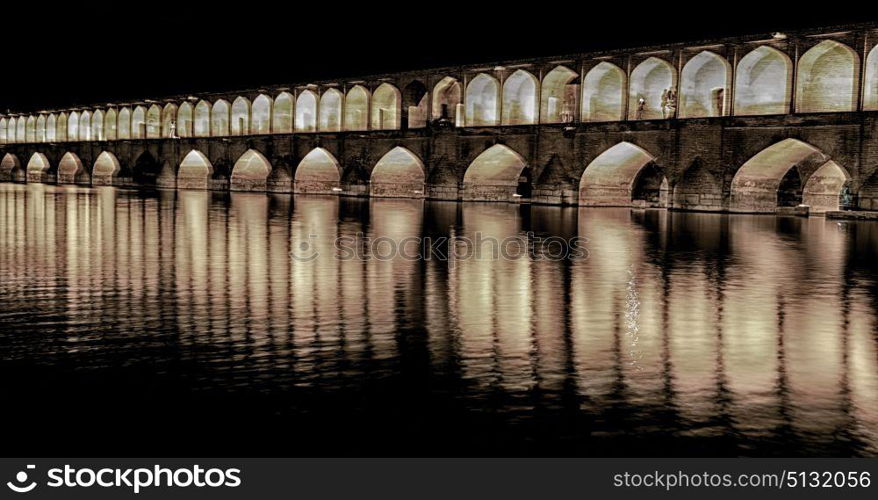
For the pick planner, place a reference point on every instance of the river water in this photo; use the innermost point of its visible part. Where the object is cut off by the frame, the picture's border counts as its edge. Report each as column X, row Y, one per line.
column 198, row 323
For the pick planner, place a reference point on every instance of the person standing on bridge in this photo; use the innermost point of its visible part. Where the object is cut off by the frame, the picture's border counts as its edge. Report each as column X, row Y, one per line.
column 641, row 107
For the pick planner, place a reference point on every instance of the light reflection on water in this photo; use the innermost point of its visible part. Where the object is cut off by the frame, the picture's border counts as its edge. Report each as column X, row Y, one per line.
column 690, row 334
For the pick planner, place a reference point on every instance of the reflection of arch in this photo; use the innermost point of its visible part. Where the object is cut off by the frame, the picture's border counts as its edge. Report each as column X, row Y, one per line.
column 704, row 86
column 398, row 174
column 698, row 189
column 771, row 177
column 260, row 115
column 201, row 122
column 520, row 98
column 318, row 172
column 38, row 168
column 282, row 117
column 870, row 90
column 386, row 101
column 10, row 168
column 110, row 124
column 71, row 171
column 330, row 111
column 824, row 187
column 184, row 120
column 219, row 118
column 558, row 96
column 763, row 82
column 250, row 172
column 827, row 78
column 306, row 112
column 356, row 109
column 482, row 101
column 414, row 104
column 649, row 80
column 240, row 124
column 446, row 99
column 105, row 169
column 494, row 175
column 621, row 175
column 194, row 171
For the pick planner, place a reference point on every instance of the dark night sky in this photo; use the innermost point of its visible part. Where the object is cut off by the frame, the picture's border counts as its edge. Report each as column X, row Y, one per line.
column 67, row 56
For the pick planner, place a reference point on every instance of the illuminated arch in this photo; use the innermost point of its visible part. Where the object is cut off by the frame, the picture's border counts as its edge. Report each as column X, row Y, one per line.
column 318, row 172
column 306, row 112
column 21, row 129
column 827, row 78
column 386, row 101
column 823, row 189
column 105, row 169
column 240, row 124
column 219, row 118
column 97, row 126
column 763, row 83
column 282, row 119
column 170, row 125
column 3, row 130
column 201, row 122
column 649, row 80
column 61, row 127
column 124, row 129
column 520, row 98
column 85, row 126
column 603, row 94
column 71, row 171
column 10, row 168
column 41, row 129
column 870, row 90
column 153, row 122
column 704, row 86
column 30, row 131
column 10, row 131
column 51, row 128
column 184, row 120
column 494, row 175
column 482, row 101
column 110, row 125
column 446, row 100
column 38, row 168
column 558, row 95
column 138, row 123
column 73, row 126
column 356, row 109
column 621, row 176
column 331, row 110
column 260, row 115
column 194, row 171
column 250, row 172
column 771, row 177
column 398, row 174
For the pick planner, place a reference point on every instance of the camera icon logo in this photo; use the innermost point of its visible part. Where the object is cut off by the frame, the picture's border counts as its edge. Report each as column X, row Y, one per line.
column 19, row 485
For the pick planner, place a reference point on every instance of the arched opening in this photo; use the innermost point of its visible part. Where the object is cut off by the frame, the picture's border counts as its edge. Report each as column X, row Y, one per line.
column 773, row 177
column 10, row 131
column 652, row 92
column 105, row 169
column 201, row 122
column 558, row 96
column 827, row 189
column 41, row 128
column 330, row 110
column 870, row 90
column 61, row 127
column 138, row 123
column 169, row 121
column 622, row 176
column 483, row 101
column 124, row 130
column 38, row 168
column 414, row 104
column 85, row 126
column 306, row 112
column 446, row 101
column 398, row 174
column 520, row 99
column 146, row 170
column 250, row 172
column 698, row 189
column 356, row 109
column 240, row 124
column 51, row 128
column 3, row 130
column 10, row 169
column 97, row 126
column 827, row 79
column 30, row 133
column 386, row 102
column 318, row 172
column 763, row 82
column 704, row 86
column 194, row 171
column 219, row 118
column 495, row 175
column 21, row 129
column 71, row 171
column 154, row 122
column 184, row 120
column 260, row 115
column 282, row 118
column 110, row 124
column 72, row 127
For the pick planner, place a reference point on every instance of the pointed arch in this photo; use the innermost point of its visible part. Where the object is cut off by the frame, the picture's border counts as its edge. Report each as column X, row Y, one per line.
column 621, row 176
column 21, row 129
column 251, row 172
column 184, row 120
column 105, row 169
column 446, row 100
column 558, row 95
column 194, row 171
column 386, row 103
column 649, row 81
column 110, row 124
column 97, row 126
column 763, row 83
column 10, row 130
column 282, row 118
column 414, row 104
column 398, row 174
column 3, row 130
column 318, row 172
column 70, row 170
column 219, row 118
column 870, row 89
column 124, row 130
column 38, row 168
column 603, row 94
column 824, row 188
column 520, row 98
column 306, row 112
column 169, row 120
column 704, row 86
column 201, row 121
column 51, row 128
column 85, row 126
column 138, row 123
column 356, row 109
column 483, row 101
column 154, row 122
column 240, row 124
column 828, row 78
column 494, row 175
column 10, row 168
column 73, row 126
column 260, row 115
column 61, row 127
column 30, row 131
column 330, row 111
column 41, row 129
